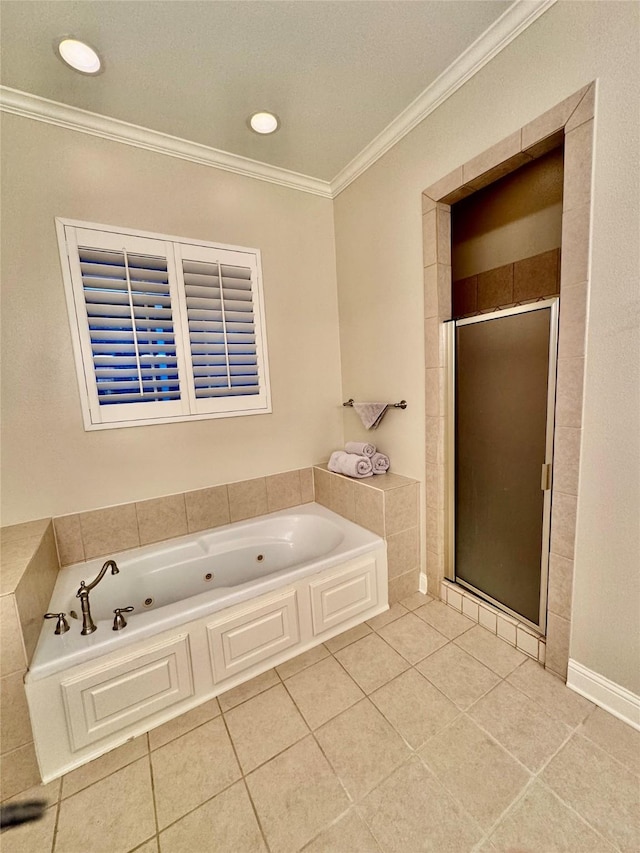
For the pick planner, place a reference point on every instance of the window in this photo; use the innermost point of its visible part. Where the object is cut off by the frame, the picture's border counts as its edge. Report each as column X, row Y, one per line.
column 164, row 329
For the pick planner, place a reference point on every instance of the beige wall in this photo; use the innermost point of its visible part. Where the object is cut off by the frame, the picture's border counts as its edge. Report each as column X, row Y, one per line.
column 512, row 219
column 51, row 466
column 379, row 258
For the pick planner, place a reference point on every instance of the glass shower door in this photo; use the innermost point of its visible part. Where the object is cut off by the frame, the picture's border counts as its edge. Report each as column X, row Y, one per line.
column 502, row 391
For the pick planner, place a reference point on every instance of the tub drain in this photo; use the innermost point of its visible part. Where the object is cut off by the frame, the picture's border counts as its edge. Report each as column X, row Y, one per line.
column 148, row 602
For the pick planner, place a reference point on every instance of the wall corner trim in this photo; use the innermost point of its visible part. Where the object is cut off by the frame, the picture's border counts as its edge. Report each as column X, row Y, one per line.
column 617, row 700
column 502, row 32
column 62, row 115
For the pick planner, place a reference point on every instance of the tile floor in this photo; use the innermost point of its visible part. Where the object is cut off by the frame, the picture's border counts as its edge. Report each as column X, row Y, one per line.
column 417, row 731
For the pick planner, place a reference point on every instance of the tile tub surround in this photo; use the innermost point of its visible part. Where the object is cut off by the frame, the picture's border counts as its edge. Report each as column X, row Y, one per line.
column 572, row 120
column 101, row 532
column 27, row 577
column 386, row 504
column 406, row 762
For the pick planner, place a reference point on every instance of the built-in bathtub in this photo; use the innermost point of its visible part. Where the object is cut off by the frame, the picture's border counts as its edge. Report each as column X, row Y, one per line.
column 211, row 610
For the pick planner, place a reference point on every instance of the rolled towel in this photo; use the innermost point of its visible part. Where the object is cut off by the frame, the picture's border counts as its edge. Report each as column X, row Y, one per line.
column 361, row 448
column 350, row 464
column 380, row 463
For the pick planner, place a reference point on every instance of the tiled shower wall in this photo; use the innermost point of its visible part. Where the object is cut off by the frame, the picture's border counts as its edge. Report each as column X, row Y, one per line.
column 531, row 278
column 573, row 121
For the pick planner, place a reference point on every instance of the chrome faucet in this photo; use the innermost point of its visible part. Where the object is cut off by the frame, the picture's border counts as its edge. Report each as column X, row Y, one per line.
column 88, row 625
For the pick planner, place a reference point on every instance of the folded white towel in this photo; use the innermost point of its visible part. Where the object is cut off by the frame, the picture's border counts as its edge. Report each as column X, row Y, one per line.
column 350, row 464
column 371, row 413
column 380, row 463
column 360, row 447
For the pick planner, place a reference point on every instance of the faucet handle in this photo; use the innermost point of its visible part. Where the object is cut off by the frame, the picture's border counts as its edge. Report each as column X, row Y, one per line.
column 62, row 626
column 119, row 622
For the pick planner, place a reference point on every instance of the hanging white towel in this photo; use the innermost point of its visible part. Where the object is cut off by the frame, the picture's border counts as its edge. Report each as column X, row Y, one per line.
column 350, row 464
column 371, row 413
column 360, row 447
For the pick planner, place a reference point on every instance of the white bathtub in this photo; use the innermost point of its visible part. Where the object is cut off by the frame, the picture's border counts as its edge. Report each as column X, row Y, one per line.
column 280, row 585
column 174, row 582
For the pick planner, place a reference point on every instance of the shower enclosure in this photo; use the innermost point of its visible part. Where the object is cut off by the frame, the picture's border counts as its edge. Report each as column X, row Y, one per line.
column 501, row 397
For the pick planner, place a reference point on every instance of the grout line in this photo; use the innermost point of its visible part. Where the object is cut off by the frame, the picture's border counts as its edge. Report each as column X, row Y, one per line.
column 255, row 813
column 54, row 838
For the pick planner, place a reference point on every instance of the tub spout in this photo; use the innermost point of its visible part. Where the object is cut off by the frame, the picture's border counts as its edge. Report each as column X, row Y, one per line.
column 88, row 625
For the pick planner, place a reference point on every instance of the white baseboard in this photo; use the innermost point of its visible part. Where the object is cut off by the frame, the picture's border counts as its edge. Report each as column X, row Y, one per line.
column 422, row 585
column 617, row 700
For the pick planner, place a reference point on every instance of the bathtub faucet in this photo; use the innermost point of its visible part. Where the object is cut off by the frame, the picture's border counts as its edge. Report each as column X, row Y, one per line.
column 88, row 625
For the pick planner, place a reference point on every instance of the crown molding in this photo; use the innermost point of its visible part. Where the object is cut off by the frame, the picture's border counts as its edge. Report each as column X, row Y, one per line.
column 503, row 31
column 52, row 112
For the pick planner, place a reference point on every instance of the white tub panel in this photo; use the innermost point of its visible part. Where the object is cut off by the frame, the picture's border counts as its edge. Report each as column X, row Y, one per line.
column 239, row 643
column 343, row 595
column 112, row 697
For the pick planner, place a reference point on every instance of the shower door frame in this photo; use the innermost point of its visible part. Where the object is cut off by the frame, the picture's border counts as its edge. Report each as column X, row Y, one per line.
column 547, row 466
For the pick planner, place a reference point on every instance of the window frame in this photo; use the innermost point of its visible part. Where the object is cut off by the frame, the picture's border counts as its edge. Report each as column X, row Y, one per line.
column 96, row 416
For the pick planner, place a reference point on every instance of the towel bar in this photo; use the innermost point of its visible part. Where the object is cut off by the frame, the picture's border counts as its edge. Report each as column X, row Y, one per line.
column 401, row 405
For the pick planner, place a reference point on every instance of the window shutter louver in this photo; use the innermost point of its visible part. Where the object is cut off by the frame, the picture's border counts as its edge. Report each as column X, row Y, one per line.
column 164, row 329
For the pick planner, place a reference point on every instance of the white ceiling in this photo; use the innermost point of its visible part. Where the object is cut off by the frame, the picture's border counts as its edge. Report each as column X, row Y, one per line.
column 337, row 72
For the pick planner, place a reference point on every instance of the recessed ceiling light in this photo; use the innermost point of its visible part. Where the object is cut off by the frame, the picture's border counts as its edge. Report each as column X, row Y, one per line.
column 264, row 122
column 78, row 55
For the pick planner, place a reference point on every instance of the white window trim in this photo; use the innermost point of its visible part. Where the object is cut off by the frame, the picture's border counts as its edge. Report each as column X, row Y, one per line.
column 234, row 406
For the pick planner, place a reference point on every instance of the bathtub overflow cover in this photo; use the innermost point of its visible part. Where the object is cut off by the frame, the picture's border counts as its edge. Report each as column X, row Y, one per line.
column 260, row 558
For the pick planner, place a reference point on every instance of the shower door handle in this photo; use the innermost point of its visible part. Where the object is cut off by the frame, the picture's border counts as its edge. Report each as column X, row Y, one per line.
column 545, row 480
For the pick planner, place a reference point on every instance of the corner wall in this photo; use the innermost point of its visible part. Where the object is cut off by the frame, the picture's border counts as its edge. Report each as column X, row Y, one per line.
column 51, row 466
column 379, row 257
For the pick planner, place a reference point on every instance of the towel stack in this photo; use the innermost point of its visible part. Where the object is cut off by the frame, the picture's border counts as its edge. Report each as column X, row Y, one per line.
column 359, row 460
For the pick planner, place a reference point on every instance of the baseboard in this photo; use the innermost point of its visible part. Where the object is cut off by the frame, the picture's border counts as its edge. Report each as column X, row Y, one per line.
column 617, row 700
column 422, row 584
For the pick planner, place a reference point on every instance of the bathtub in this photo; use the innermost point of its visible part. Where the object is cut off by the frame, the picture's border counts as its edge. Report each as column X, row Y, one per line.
column 211, row 610
column 179, row 580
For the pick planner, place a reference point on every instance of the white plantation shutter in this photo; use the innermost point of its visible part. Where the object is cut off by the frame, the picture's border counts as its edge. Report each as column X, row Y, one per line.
column 220, row 323
column 165, row 330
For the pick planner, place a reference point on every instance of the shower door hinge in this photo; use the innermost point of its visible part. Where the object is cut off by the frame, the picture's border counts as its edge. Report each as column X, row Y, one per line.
column 545, row 481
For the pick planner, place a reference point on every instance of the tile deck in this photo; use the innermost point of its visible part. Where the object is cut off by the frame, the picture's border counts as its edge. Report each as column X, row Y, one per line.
column 302, row 760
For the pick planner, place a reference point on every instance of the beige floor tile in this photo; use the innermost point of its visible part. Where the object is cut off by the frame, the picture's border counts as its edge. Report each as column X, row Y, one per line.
column 444, row 619
column 541, row 822
column 412, row 637
column 226, row 823
column 415, row 600
column 362, row 747
column 192, row 769
column 603, row 792
column 459, row 676
column 49, row 792
column 34, row 837
column 349, row 834
column 300, row 662
column 371, row 662
column 264, row 726
column 615, row 737
column 347, row 637
column 520, row 725
column 550, row 692
column 104, row 766
column 490, row 650
column 475, row 770
column 414, row 707
column 248, row 690
column 395, row 611
column 184, row 723
column 121, row 810
column 295, row 795
column 150, row 846
column 323, row 691
column 410, row 812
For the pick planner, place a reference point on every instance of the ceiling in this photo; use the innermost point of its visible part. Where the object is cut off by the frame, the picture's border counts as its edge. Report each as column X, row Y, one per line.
column 336, row 72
